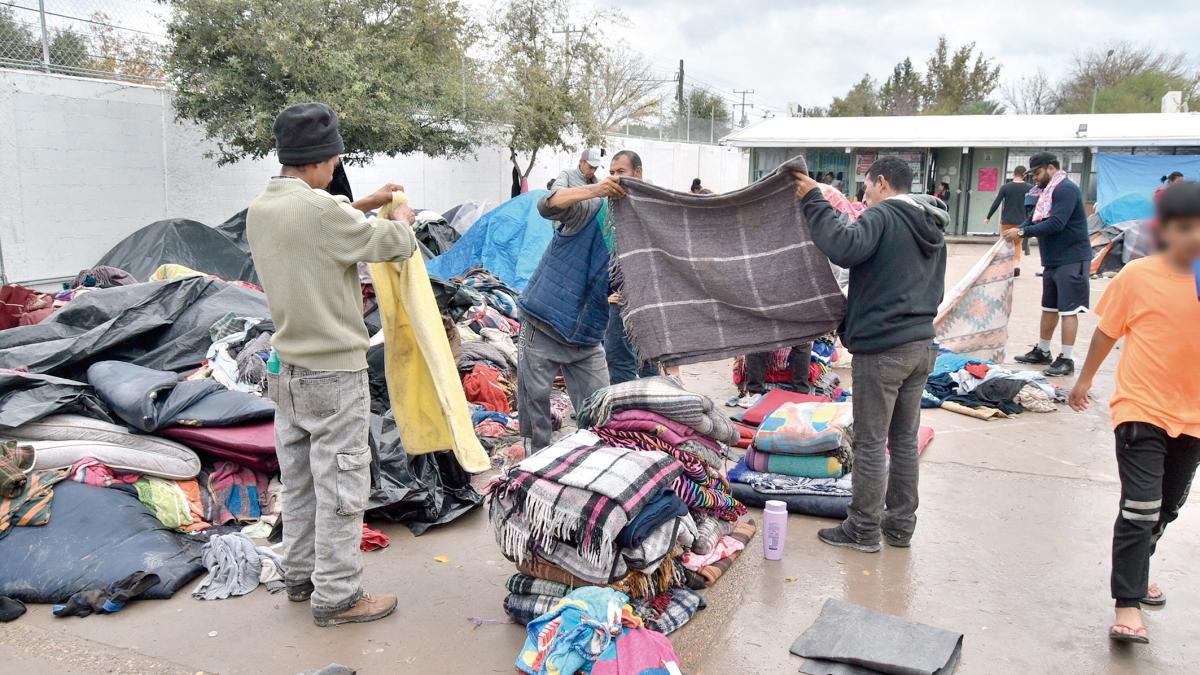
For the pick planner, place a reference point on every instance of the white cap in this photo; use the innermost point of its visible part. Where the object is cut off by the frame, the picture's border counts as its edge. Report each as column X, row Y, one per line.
column 593, row 157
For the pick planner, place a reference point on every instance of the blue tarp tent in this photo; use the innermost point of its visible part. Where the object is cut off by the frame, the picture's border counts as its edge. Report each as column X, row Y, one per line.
column 1126, row 207
column 509, row 241
column 1117, row 175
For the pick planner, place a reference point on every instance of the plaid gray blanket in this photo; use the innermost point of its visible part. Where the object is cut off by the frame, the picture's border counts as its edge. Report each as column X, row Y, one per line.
column 662, row 395
column 706, row 277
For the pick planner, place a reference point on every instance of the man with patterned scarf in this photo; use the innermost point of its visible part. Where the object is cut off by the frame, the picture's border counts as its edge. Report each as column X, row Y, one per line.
column 1059, row 221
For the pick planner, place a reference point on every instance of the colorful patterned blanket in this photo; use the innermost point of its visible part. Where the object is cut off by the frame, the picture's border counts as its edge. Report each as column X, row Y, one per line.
column 973, row 318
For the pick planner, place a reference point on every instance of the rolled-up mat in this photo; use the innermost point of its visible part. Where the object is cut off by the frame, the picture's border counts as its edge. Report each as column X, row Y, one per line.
column 821, row 506
column 847, row 639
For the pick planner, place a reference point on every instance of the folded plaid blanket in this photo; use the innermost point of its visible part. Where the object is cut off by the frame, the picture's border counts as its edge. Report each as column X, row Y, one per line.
column 709, row 531
column 525, row 608
column 664, row 396
column 706, row 576
column 668, row 611
column 780, row 484
column 523, row 584
column 634, row 584
column 732, row 274
column 576, row 492
column 801, row 466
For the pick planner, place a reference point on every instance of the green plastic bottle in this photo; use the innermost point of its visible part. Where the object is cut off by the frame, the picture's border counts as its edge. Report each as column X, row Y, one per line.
column 273, row 363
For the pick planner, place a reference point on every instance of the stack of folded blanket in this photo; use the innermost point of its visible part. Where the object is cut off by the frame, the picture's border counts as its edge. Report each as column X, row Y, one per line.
column 805, row 440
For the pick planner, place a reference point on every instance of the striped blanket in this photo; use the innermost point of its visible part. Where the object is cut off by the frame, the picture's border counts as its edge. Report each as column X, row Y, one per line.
column 664, row 396
column 708, row 277
column 973, row 318
column 578, row 492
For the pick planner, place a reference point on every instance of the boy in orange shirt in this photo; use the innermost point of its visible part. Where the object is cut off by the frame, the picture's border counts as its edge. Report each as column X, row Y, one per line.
column 1152, row 304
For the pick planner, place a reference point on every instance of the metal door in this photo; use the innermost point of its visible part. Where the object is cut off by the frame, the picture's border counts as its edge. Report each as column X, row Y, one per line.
column 985, row 179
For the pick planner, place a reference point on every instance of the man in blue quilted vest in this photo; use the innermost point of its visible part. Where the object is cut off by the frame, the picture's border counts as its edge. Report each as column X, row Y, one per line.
column 564, row 308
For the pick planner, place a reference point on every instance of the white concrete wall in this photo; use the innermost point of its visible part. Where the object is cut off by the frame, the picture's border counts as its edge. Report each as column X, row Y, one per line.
column 87, row 162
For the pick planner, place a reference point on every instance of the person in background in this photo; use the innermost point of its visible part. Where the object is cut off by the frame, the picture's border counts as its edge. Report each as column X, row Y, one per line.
column 1172, row 178
column 698, row 189
column 1059, row 221
column 943, row 192
column 307, row 245
column 1152, row 305
column 799, row 359
column 896, row 254
column 1012, row 196
column 623, row 362
column 585, row 173
column 565, row 308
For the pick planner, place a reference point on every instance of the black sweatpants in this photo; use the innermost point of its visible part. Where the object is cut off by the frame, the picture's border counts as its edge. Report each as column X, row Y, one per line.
column 1156, row 475
column 798, row 363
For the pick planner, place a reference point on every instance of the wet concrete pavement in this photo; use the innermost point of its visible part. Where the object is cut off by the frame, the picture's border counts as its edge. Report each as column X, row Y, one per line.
column 1012, row 549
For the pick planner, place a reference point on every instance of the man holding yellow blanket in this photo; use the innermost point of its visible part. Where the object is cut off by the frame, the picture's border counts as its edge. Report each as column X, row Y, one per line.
column 306, row 245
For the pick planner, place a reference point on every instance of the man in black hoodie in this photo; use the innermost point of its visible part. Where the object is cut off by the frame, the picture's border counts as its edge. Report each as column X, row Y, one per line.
column 896, row 254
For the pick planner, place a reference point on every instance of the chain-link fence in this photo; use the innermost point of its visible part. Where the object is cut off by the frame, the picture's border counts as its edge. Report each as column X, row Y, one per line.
column 116, row 39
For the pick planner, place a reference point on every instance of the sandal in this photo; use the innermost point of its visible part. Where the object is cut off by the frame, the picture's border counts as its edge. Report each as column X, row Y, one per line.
column 1155, row 600
column 1129, row 634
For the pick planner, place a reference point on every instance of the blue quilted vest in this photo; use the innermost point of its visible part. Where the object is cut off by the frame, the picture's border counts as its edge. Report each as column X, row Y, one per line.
column 569, row 290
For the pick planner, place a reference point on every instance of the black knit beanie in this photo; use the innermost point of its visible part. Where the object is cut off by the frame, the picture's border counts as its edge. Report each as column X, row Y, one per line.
column 307, row 133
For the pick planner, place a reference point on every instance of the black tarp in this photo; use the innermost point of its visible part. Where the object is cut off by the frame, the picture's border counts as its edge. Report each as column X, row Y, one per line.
column 149, row 400
column 28, row 397
column 163, row 325
column 95, row 536
column 183, row 242
column 435, row 233
column 234, row 229
column 418, row 490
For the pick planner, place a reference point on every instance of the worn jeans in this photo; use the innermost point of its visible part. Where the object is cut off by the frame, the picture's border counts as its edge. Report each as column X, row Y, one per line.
column 799, row 360
column 539, row 358
column 887, row 413
column 622, row 360
column 1156, row 477
column 321, row 432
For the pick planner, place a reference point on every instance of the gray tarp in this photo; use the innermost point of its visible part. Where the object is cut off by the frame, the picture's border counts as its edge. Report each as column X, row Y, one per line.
column 847, row 639
column 161, row 325
column 182, row 242
column 706, row 277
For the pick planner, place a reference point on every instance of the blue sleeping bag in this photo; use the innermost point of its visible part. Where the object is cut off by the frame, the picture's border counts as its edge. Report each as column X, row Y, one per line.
column 508, row 241
column 95, row 536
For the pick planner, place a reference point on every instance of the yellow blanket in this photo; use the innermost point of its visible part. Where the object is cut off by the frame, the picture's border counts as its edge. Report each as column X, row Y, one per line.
column 427, row 396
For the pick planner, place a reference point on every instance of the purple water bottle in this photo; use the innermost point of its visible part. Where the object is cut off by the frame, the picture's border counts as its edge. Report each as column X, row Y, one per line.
column 775, row 517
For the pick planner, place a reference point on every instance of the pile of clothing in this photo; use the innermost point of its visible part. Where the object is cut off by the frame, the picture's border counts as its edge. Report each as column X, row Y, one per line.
column 585, row 513
column 987, row 391
column 597, row 631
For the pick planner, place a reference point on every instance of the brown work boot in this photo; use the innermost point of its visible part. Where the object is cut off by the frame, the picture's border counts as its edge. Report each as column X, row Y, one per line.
column 368, row 608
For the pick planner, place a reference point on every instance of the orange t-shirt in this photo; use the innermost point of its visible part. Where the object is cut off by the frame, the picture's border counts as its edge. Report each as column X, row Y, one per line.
column 1158, row 379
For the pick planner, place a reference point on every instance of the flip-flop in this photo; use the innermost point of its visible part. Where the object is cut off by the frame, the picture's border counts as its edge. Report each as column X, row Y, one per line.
column 1155, row 601
column 1136, row 635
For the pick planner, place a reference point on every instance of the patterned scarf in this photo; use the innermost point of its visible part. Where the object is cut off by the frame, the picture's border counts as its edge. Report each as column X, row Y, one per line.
column 1045, row 196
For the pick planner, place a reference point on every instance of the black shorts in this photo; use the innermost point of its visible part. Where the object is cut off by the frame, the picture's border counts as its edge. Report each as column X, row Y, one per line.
column 1066, row 289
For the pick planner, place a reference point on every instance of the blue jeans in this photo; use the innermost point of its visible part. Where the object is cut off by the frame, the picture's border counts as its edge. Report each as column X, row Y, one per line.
column 622, row 360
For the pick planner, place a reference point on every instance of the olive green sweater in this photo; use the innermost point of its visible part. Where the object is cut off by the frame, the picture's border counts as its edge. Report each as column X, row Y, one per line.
column 306, row 246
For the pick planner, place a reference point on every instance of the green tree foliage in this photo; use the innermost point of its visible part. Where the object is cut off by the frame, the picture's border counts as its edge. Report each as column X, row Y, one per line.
column 543, row 79
column 396, row 71
column 861, row 101
column 903, row 91
column 709, row 113
column 955, row 80
column 1127, row 79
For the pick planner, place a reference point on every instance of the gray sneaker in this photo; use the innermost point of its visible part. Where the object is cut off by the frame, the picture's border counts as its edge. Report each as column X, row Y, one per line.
column 835, row 536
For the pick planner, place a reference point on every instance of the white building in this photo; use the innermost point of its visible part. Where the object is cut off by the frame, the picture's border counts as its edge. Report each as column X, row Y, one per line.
column 975, row 154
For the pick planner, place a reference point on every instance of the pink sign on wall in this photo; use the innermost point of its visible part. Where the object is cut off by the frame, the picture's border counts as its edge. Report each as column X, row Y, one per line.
column 989, row 179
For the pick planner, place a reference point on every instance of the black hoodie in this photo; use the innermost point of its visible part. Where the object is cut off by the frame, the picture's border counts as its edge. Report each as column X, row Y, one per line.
column 896, row 254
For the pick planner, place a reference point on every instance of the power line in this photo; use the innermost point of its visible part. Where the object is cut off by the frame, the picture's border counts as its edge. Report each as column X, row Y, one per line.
column 743, row 105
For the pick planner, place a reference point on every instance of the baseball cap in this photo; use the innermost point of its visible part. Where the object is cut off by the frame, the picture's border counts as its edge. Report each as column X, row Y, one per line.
column 1041, row 159
column 594, row 157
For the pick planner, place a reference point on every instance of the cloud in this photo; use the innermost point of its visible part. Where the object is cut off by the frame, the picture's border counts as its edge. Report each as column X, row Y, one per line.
column 809, row 53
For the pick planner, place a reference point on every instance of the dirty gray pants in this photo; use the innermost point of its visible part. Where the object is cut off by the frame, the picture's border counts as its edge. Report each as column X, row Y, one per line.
column 539, row 357
column 887, row 413
column 321, row 430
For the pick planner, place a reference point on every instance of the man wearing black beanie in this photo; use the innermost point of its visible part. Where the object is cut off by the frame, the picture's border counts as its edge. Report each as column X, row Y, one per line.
column 306, row 246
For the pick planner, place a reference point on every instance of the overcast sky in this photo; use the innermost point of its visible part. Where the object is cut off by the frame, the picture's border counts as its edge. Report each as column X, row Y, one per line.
column 809, row 52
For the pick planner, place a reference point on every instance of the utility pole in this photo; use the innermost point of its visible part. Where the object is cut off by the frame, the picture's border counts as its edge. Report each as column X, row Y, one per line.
column 567, row 32
column 679, row 102
column 743, row 105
